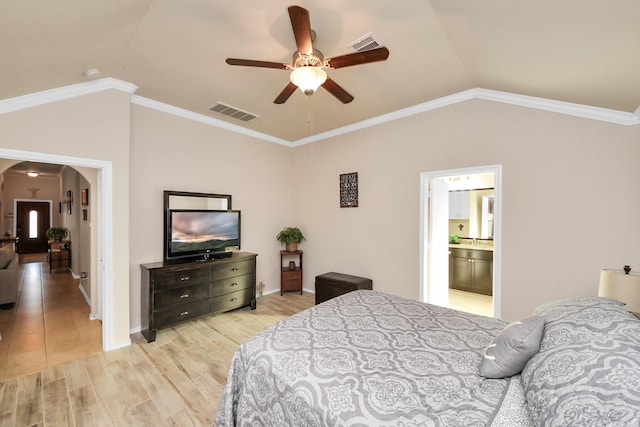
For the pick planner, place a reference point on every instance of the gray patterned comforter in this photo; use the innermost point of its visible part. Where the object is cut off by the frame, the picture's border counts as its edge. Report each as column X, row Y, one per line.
column 587, row 372
column 367, row 359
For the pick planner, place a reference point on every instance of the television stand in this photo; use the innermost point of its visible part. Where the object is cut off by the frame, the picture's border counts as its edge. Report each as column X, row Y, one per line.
column 173, row 293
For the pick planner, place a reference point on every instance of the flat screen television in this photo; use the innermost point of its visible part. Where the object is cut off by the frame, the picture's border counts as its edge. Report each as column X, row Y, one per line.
column 201, row 234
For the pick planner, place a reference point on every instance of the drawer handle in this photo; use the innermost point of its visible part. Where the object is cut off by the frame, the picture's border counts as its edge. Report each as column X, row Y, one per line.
column 233, row 284
column 233, row 299
column 234, row 269
column 184, row 279
column 184, row 296
column 184, row 313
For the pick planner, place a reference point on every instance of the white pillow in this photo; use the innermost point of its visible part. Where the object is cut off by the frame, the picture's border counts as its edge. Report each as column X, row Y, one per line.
column 512, row 348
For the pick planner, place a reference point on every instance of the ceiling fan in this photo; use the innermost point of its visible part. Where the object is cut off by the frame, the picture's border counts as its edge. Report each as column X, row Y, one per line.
column 308, row 64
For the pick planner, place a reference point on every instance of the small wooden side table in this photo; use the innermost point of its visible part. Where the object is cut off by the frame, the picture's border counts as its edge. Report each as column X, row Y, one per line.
column 59, row 255
column 290, row 271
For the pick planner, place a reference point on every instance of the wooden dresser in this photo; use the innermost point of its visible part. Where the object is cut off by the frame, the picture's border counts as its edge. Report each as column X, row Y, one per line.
column 173, row 293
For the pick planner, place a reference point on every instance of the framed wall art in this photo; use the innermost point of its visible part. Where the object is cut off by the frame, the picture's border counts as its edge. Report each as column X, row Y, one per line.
column 69, row 201
column 349, row 190
column 85, row 197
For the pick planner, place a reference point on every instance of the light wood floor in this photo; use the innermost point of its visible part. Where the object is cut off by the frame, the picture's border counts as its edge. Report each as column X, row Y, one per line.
column 175, row 381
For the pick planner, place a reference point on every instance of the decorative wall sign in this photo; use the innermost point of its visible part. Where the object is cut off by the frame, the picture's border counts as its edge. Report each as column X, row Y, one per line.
column 349, row 190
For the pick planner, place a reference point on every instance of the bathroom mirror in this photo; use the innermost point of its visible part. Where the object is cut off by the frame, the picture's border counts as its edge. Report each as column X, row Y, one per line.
column 476, row 220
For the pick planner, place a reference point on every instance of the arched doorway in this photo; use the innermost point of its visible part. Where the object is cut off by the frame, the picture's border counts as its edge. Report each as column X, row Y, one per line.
column 103, row 266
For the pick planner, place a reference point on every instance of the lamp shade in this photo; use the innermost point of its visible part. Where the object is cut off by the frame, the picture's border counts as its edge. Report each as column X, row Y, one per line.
column 308, row 78
column 615, row 284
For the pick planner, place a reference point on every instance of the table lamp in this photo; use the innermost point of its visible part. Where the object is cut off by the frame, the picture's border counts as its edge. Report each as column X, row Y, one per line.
column 621, row 285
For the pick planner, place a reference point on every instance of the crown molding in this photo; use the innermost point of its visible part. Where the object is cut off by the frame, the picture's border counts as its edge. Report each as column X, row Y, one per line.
column 190, row 115
column 568, row 108
column 66, row 92
column 578, row 110
column 395, row 115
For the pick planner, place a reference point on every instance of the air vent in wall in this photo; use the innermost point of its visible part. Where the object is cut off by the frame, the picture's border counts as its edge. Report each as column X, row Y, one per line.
column 366, row 42
column 233, row 112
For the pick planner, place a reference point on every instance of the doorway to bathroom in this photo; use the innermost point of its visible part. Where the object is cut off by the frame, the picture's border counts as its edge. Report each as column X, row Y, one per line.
column 450, row 234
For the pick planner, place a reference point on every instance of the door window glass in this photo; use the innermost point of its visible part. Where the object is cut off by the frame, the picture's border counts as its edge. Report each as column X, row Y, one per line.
column 33, row 224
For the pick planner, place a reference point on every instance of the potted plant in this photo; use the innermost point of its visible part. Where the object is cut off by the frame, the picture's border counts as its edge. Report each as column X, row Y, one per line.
column 454, row 238
column 290, row 237
column 57, row 234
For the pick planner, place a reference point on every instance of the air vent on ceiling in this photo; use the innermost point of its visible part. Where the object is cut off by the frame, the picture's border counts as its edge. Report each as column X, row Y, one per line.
column 233, row 112
column 366, row 42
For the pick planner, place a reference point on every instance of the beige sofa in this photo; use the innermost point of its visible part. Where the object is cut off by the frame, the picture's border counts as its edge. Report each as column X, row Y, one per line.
column 10, row 276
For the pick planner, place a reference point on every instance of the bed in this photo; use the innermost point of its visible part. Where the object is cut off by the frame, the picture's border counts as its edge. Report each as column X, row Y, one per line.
column 371, row 359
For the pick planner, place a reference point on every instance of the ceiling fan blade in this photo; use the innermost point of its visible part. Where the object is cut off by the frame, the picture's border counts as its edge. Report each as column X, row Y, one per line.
column 301, row 25
column 285, row 94
column 336, row 90
column 373, row 55
column 253, row 63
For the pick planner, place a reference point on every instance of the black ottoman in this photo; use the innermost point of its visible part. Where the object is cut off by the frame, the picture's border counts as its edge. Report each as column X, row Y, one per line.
column 330, row 285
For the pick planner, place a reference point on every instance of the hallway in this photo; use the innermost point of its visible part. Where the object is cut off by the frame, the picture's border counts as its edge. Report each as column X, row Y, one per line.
column 48, row 326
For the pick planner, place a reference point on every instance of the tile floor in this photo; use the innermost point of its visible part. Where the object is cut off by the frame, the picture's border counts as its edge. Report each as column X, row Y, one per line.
column 48, row 326
column 471, row 302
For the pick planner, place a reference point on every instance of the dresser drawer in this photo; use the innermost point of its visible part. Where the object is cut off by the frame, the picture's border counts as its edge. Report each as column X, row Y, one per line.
column 180, row 313
column 232, row 284
column 172, row 292
column 182, row 277
column 184, row 295
column 232, row 269
column 232, row 301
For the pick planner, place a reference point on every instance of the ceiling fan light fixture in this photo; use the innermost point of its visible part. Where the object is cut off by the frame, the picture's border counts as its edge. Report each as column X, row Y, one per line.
column 308, row 79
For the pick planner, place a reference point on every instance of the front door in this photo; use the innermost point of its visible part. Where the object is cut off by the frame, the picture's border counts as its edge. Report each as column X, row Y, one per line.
column 31, row 227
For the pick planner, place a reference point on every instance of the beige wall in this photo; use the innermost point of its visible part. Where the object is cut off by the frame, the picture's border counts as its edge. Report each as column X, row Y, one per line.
column 88, row 237
column 570, row 199
column 570, row 202
column 80, row 230
column 94, row 127
column 171, row 153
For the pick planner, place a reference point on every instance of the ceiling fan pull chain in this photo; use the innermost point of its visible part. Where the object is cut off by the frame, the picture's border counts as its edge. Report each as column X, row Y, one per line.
column 309, row 116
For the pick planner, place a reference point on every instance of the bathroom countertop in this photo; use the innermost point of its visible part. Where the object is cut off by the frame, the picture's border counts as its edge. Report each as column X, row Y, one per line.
column 479, row 247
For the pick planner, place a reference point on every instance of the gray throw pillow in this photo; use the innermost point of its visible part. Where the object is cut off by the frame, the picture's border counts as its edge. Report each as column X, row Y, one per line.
column 512, row 348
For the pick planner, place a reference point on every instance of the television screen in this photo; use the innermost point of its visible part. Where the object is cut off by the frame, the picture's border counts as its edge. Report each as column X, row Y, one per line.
column 191, row 233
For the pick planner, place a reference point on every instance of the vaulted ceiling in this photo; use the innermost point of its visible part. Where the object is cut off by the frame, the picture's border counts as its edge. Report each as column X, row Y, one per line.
column 578, row 51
